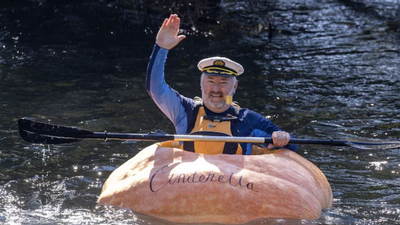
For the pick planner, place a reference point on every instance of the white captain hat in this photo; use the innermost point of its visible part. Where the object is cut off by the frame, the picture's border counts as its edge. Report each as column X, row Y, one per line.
column 220, row 66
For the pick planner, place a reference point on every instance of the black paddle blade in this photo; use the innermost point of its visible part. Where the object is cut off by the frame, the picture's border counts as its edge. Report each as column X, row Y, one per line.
column 35, row 132
column 43, row 139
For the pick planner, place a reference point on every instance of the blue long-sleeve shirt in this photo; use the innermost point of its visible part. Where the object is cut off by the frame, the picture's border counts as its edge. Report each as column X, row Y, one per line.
column 182, row 110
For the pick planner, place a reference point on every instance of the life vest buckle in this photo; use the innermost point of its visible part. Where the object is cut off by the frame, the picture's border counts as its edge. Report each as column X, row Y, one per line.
column 220, row 118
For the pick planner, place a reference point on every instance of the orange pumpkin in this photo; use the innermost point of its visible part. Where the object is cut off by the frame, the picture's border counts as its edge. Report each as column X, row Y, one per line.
column 186, row 187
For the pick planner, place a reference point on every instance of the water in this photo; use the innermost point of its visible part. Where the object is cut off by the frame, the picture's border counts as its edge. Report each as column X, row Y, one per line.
column 331, row 70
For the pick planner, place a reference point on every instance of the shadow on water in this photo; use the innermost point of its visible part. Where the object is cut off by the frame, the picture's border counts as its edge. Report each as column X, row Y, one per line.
column 321, row 69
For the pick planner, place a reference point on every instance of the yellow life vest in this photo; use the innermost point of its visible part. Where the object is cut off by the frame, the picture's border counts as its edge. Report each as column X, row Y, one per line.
column 205, row 125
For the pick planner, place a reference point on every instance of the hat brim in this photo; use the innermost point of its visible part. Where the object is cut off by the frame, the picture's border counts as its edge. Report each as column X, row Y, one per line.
column 218, row 74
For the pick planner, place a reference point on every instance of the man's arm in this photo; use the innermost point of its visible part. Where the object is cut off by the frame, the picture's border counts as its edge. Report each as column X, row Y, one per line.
column 279, row 137
column 168, row 100
column 262, row 127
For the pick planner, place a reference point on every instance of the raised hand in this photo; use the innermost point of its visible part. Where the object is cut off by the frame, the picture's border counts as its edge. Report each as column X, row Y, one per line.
column 167, row 36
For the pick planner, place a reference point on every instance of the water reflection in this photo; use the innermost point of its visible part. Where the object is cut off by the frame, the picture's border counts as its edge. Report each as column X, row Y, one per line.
column 330, row 70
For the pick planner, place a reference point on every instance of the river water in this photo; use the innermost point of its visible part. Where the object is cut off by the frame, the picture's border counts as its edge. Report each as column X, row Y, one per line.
column 323, row 69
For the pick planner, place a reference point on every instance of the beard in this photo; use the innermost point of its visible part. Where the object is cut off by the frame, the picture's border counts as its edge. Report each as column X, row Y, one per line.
column 217, row 105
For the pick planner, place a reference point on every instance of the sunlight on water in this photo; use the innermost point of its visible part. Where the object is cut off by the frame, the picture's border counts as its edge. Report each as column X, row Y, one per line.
column 322, row 69
column 377, row 165
column 55, row 212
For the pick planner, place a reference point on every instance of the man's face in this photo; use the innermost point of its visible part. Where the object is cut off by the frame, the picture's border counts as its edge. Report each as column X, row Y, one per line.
column 214, row 90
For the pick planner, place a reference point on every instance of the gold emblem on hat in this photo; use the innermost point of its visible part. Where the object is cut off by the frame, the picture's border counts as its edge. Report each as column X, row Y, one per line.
column 219, row 63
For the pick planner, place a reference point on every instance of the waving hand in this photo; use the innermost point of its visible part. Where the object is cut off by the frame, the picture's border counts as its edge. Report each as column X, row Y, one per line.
column 167, row 36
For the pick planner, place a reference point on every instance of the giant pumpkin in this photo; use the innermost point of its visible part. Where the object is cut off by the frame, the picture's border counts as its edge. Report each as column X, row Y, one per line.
column 187, row 187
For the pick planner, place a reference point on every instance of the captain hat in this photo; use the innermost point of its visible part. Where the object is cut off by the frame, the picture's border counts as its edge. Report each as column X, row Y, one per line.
column 220, row 66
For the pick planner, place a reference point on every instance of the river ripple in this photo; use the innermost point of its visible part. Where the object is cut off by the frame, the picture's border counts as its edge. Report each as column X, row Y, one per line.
column 328, row 70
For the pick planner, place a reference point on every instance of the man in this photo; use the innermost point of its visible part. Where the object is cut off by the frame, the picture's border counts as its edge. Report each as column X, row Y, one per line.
column 214, row 114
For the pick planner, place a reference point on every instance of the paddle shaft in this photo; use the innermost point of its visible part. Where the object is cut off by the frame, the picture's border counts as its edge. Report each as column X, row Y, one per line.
column 177, row 137
column 43, row 133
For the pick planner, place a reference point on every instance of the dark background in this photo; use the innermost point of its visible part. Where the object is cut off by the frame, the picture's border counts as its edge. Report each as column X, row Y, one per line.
column 319, row 69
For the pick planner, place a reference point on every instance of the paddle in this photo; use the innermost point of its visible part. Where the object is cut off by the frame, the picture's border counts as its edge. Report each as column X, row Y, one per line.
column 44, row 133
